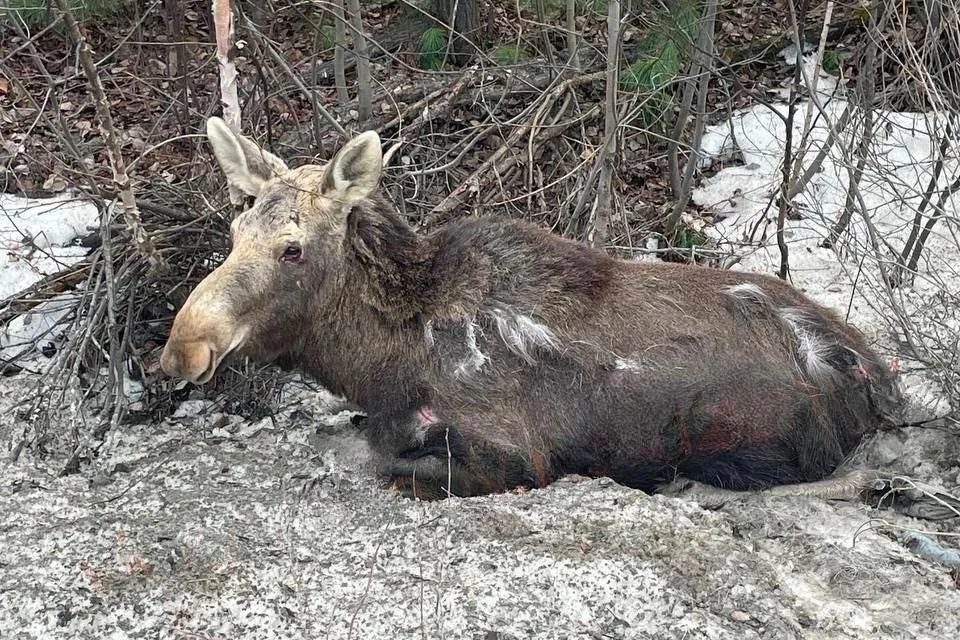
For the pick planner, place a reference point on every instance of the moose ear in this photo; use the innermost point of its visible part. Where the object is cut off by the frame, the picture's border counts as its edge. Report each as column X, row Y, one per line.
column 355, row 171
column 245, row 164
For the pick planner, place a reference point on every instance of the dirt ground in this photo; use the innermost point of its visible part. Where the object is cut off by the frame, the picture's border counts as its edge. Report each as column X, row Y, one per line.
column 205, row 526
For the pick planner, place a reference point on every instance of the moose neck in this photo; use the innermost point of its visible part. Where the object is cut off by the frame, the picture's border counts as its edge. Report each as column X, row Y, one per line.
column 388, row 264
column 370, row 347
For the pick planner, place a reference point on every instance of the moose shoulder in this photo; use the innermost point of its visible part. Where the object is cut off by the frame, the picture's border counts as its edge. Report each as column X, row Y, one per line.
column 492, row 354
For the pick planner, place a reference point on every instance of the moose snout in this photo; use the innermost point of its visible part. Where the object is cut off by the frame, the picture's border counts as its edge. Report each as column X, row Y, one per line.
column 188, row 360
column 197, row 346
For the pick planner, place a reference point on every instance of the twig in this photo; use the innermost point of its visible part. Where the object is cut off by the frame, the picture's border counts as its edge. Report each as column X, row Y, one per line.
column 784, row 205
column 704, row 51
column 603, row 204
column 43, row 290
column 478, row 179
column 130, row 212
column 867, row 89
column 812, row 88
column 280, row 62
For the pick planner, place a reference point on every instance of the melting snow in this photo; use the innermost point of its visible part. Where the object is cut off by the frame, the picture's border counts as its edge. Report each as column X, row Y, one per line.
column 39, row 238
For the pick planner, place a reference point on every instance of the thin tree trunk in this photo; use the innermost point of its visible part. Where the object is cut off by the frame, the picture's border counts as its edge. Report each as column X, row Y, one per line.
column 340, row 46
column 704, row 52
column 603, row 213
column 799, row 184
column 573, row 54
column 223, row 22
column 673, row 149
column 463, row 16
column 545, row 35
column 177, row 56
column 797, row 17
column 363, row 61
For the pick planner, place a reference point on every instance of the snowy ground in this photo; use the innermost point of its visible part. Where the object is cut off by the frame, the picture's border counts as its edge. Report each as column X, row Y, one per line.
column 39, row 238
column 206, row 526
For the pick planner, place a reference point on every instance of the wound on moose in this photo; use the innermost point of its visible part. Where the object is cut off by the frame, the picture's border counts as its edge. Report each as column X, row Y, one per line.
column 491, row 354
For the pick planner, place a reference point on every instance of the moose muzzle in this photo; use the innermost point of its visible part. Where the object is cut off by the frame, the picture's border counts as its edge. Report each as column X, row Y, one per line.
column 203, row 334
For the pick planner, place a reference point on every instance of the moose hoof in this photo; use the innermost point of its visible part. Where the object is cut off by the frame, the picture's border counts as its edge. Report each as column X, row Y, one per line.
column 428, row 478
column 417, row 489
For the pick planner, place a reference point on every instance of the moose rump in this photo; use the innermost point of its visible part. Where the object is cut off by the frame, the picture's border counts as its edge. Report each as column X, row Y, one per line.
column 491, row 354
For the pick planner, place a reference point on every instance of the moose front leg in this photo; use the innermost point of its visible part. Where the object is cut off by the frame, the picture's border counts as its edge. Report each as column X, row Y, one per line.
column 427, row 458
column 430, row 478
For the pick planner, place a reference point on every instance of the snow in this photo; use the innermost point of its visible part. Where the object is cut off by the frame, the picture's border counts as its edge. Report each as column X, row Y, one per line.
column 39, row 237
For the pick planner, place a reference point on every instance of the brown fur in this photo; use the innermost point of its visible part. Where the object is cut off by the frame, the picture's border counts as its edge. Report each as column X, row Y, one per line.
column 532, row 356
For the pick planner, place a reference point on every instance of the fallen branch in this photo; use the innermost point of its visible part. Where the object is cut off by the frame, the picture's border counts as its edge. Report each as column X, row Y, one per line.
column 43, row 290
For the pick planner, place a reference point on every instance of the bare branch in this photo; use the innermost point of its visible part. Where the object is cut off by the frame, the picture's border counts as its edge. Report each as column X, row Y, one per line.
column 131, row 214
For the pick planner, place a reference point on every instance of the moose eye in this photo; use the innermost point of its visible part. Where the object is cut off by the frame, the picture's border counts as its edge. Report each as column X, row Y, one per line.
column 292, row 253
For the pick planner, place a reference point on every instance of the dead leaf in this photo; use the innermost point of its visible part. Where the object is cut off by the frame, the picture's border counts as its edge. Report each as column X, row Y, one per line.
column 4, row 85
column 11, row 148
column 54, row 183
column 84, row 127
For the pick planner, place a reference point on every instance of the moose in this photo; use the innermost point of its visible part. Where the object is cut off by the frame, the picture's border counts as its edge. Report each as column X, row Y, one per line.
column 492, row 355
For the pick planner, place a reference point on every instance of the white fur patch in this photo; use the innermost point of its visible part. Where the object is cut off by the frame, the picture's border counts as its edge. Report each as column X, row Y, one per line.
column 477, row 358
column 748, row 291
column 812, row 350
column 521, row 333
column 625, row 364
column 428, row 333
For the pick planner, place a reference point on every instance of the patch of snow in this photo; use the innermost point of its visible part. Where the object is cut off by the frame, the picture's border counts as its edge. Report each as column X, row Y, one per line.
column 25, row 338
column 39, row 237
column 789, row 53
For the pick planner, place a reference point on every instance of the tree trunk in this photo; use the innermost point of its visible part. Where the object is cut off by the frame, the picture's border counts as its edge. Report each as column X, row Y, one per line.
column 363, row 61
column 599, row 231
column 464, row 17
